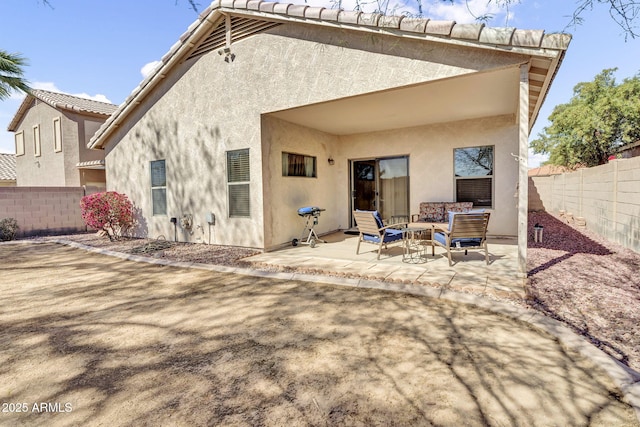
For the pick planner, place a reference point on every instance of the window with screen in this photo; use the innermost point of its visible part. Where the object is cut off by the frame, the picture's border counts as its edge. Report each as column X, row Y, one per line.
column 238, row 177
column 298, row 165
column 159, row 187
column 474, row 175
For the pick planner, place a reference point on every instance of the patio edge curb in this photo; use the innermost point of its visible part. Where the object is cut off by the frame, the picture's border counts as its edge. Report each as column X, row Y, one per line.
column 626, row 379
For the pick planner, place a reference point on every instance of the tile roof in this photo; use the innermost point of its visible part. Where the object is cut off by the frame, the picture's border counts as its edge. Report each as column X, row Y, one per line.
column 548, row 170
column 508, row 39
column 7, row 167
column 62, row 101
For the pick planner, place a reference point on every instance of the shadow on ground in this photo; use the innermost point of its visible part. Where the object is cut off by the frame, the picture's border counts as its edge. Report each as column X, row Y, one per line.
column 136, row 344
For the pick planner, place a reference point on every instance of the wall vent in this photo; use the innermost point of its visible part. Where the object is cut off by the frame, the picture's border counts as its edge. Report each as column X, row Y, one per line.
column 240, row 28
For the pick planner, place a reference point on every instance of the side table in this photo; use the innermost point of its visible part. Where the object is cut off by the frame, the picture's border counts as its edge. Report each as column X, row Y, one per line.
column 413, row 249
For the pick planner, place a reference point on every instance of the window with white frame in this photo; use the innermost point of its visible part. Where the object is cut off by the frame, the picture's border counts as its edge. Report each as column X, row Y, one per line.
column 238, row 177
column 159, row 187
column 19, row 137
column 298, row 165
column 57, row 135
column 473, row 168
column 36, row 141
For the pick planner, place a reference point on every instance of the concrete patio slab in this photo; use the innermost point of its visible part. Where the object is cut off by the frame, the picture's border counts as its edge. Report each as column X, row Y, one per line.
column 469, row 273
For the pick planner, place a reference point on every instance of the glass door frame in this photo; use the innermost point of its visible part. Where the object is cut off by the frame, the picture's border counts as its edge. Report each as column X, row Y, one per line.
column 376, row 201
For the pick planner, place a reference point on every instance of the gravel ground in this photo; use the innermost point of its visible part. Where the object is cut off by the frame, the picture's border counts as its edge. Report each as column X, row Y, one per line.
column 589, row 283
column 575, row 276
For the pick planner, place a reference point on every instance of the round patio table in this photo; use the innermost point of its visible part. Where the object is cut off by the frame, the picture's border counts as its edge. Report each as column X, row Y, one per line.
column 413, row 248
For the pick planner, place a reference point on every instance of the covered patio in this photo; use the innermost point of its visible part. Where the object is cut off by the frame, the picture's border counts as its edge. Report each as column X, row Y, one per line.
column 470, row 273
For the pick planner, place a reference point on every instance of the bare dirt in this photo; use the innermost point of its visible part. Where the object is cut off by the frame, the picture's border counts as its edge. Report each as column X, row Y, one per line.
column 87, row 339
column 575, row 276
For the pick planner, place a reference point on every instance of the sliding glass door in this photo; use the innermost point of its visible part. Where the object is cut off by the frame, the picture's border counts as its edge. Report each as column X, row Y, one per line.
column 383, row 185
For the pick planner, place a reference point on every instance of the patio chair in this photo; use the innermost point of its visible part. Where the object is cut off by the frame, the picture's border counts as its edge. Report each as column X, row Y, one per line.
column 466, row 231
column 372, row 230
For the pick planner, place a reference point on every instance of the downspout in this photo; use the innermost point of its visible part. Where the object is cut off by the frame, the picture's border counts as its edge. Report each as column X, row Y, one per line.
column 523, row 160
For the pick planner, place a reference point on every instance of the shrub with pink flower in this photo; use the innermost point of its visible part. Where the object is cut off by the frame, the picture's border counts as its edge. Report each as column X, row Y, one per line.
column 109, row 211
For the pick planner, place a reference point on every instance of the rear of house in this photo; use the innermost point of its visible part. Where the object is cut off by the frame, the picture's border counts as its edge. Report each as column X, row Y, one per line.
column 263, row 108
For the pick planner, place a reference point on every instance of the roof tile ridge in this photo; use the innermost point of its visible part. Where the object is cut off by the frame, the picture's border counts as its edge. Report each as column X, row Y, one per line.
column 48, row 97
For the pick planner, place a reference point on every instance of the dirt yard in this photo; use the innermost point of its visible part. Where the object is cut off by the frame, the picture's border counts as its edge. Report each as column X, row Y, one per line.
column 575, row 275
column 87, row 339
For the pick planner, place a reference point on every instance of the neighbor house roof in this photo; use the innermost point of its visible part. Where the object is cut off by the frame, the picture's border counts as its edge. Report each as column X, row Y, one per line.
column 61, row 101
column 548, row 170
column 7, row 167
column 226, row 21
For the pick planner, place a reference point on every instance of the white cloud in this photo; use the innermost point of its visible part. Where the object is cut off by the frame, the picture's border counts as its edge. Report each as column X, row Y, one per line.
column 535, row 160
column 462, row 11
column 148, row 68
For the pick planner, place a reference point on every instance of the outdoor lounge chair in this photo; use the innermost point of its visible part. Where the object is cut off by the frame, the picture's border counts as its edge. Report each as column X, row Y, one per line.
column 466, row 231
column 372, row 230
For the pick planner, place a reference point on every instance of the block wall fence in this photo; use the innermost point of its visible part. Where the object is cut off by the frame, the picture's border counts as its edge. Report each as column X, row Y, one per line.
column 607, row 196
column 44, row 210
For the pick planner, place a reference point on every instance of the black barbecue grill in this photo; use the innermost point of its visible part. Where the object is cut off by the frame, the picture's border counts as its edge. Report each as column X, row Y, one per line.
column 311, row 214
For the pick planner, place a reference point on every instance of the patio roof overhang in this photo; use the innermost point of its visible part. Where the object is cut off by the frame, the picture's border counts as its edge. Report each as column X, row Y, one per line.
column 471, row 96
column 92, row 164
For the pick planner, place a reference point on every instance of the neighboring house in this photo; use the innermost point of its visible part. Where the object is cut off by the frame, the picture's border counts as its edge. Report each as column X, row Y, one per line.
column 262, row 108
column 548, row 170
column 7, row 170
column 629, row 150
column 51, row 134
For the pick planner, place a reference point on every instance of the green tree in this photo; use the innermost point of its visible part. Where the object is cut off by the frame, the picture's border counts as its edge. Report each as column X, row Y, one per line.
column 600, row 118
column 12, row 74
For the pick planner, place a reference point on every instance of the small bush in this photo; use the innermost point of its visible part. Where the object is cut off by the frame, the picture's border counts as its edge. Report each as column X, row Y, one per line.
column 8, row 229
column 109, row 211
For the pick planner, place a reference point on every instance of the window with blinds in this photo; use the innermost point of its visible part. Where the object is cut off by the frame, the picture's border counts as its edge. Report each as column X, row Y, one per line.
column 298, row 165
column 159, row 187
column 238, row 177
column 474, row 175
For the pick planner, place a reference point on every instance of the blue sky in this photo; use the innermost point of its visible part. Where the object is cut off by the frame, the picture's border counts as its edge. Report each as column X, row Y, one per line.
column 99, row 49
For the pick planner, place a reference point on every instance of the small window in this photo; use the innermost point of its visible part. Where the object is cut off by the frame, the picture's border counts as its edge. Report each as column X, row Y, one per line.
column 57, row 135
column 36, row 141
column 238, row 177
column 474, row 175
column 19, row 137
column 298, row 165
column 159, row 187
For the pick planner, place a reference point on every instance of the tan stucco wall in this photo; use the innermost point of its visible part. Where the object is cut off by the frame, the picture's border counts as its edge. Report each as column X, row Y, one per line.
column 208, row 106
column 430, row 151
column 55, row 168
column 49, row 168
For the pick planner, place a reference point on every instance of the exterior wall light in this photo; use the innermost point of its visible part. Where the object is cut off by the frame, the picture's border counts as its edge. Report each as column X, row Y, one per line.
column 331, row 161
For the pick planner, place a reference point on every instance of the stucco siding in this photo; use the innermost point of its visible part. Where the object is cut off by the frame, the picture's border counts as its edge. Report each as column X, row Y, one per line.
column 59, row 168
column 284, row 195
column 48, row 168
column 207, row 106
column 430, row 151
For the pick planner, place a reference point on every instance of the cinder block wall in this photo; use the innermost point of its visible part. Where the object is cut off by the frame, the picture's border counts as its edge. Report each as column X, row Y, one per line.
column 607, row 196
column 43, row 210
